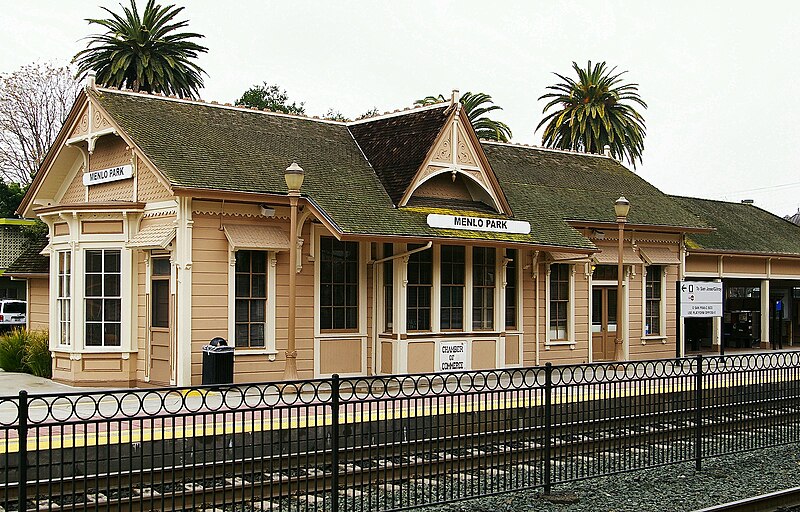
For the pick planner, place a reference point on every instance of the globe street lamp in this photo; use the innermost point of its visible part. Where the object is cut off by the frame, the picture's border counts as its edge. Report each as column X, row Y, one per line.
column 621, row 208
column 294, row 180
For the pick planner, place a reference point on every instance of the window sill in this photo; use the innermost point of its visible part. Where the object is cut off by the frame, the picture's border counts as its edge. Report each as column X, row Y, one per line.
column 662, row 339
column 341, row 334
column 241, row 351
column 560, row 343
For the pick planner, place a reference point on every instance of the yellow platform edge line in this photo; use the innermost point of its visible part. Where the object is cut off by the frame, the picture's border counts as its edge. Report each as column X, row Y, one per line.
column 252, row 425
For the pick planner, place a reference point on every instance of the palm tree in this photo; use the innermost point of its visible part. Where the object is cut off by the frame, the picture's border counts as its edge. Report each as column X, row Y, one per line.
column 595, row 111
column 476, row 107
column 144, row 53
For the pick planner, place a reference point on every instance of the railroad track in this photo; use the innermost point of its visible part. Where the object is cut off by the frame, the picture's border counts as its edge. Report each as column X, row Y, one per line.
column 787, row 500
column 515, row 460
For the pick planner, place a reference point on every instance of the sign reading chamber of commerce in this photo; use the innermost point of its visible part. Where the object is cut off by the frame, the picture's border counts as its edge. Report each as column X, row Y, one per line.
column 700, row 298
column 123, row 172
column 436, row 220
column 452, row 356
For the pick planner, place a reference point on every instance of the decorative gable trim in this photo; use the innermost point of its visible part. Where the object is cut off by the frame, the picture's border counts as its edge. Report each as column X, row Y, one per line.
column 86, row 122
column 457, row 151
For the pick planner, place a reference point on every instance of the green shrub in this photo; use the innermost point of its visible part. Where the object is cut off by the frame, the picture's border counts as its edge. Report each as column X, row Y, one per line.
column 37, row 358
column 12, row 350
column 26, row 351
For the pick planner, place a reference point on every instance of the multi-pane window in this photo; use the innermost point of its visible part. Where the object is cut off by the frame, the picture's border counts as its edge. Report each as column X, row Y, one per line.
column 559, row 301
column 605, row 273
column 64, row 300
column 511, row 289
column 452, row 287
column 653, row 301
column 388, row 290
column 483, row 283
column 420, row 283
column 103, row 298
column 251, row 298
column 159, row 293
column 338, row 267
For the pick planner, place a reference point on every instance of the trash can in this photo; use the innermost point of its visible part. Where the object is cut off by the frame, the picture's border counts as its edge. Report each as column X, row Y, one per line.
column 217, row 362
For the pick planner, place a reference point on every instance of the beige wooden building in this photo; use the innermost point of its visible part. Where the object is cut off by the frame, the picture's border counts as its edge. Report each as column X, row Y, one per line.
column 419, row 247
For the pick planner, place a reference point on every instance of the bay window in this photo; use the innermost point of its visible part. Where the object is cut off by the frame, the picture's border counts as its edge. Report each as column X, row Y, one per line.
column 103, row 300
column 64, row 298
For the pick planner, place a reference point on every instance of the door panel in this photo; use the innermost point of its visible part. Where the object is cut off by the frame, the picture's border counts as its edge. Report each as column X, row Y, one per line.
column 160, row 323
column 604, row 322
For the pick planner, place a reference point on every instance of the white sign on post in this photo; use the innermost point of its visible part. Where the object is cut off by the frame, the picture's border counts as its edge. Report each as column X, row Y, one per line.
column 122, row 172
column 452, row 356
column 700, row 298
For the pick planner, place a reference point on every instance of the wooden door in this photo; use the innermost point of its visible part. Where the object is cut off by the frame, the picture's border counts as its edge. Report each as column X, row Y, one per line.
column 160, row 322
column 604, row 322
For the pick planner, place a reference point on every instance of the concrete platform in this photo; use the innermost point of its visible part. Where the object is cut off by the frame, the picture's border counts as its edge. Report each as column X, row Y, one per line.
column 12, row 383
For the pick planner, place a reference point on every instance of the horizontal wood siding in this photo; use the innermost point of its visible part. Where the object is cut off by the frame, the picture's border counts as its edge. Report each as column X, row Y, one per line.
column 38, row 304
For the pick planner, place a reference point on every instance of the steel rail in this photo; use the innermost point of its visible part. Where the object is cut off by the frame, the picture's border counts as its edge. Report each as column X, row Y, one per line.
column 764, row 503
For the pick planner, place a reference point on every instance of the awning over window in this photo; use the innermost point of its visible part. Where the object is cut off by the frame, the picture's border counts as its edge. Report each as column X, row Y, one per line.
column 260, row 238
column 153, row 236
column 659, row 256
column 567, row 256
column 610, row 256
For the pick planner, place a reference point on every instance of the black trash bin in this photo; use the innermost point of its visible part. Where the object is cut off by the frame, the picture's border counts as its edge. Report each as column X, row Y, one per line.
column 217, row 362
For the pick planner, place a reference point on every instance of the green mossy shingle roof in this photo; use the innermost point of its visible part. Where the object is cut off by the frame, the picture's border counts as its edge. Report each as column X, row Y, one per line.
column 209, row 146
column 31, row 261
column 740, row 227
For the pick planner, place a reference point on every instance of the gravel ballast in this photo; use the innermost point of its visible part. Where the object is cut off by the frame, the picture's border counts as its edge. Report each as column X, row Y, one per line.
column 674, row 488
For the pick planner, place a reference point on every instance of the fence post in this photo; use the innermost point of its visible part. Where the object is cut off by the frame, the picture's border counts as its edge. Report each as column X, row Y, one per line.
column 548, row 427
column 698, row 414
column 335, row 443
column 22, row 439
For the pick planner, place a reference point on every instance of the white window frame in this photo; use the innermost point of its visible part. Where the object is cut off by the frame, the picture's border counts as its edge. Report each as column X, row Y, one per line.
column 64, row 327
column 122, row 294
column 269, row 323
column 662, row 335
column 549, row 341
column 519, row 275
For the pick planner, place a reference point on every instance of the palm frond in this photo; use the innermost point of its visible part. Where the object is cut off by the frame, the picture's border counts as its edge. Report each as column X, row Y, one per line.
column 144, row 51
column 594, row 111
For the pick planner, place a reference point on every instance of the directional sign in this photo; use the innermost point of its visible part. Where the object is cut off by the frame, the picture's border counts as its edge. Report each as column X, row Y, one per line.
column 700, row 298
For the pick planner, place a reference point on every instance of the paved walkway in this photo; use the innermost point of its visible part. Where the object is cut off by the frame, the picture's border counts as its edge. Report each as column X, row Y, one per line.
column 12, row 383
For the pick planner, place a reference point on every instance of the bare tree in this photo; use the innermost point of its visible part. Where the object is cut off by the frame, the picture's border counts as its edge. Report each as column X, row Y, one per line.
column 34, row 101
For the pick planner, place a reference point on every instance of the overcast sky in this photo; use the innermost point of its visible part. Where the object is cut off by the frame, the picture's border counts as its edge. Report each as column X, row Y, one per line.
column 721, row 79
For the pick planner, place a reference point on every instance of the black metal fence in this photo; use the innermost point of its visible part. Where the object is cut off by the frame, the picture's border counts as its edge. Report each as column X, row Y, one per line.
column 387, row 443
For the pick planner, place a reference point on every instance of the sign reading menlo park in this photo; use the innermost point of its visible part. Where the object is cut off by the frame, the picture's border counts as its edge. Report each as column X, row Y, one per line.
column 700, row 298
column 436, row 220
column 123, row 172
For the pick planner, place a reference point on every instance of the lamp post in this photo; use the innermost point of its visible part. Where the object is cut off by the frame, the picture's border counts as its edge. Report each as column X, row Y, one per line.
column 621, row 208
column 294, row 180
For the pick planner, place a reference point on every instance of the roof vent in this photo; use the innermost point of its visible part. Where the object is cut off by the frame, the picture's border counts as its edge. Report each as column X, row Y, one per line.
column 747, row 201
column 91, row 80
column 454, row 97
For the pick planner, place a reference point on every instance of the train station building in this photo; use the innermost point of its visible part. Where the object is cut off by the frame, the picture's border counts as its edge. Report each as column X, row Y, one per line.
column 401, row 242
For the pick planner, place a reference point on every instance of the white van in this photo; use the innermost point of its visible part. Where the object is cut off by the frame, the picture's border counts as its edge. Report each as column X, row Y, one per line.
column 13, row 313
